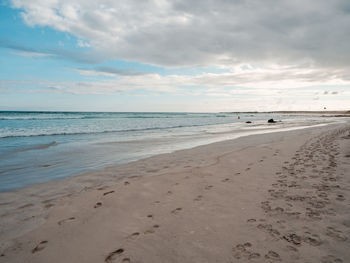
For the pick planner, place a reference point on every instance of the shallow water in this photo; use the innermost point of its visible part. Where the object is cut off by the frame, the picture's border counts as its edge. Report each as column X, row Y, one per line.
column 38, row 147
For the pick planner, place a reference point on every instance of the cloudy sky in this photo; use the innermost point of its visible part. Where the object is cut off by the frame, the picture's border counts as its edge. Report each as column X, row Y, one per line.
column 174, row 55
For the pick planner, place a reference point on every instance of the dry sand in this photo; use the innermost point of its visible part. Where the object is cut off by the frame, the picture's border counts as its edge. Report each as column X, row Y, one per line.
column 264, row 198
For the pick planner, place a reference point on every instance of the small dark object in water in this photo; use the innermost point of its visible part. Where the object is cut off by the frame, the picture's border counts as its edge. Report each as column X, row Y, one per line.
column 271, row 121
column 248, row 122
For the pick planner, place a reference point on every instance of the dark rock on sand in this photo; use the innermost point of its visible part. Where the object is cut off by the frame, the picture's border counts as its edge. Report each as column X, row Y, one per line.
column 271, row 121
column 248, row 122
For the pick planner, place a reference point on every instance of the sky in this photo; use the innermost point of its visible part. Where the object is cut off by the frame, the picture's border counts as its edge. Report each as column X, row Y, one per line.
column 179, row 55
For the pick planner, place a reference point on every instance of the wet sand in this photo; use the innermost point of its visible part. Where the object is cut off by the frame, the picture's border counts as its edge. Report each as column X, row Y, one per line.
column 263, row 198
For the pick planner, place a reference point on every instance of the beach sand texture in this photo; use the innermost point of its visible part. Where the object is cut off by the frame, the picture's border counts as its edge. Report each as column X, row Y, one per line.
column 279, row 197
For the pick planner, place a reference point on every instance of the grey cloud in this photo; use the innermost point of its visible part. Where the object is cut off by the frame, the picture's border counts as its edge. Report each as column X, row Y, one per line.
column 59, row 53
column 204, row 32
column 5, row 43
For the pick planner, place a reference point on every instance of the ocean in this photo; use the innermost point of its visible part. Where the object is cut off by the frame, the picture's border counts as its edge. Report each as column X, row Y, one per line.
column 37, row 147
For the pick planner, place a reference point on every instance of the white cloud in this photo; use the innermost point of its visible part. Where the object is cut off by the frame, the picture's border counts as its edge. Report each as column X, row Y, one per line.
column 227, row 95
column 82, row 43
column 32, row 54
column 253, row 82
column 265, row 77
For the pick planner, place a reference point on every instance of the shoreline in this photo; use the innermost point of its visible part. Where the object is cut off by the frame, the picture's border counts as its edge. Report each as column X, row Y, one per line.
column 107, row 144
column 183, row 161
column 220, row 137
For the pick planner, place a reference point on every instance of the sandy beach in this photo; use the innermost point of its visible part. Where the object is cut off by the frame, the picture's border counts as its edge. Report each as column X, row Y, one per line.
column 281, row 196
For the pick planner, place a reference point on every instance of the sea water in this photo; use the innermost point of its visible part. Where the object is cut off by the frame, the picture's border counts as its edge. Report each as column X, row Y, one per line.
column 37, row 147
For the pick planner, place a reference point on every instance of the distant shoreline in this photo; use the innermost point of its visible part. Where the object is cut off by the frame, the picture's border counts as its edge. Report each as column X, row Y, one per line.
column 345, row 112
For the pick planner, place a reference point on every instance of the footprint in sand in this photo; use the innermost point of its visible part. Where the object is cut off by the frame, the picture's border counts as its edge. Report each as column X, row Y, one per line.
column 331, row 259
column 336, row 234
column 244, row 251
column 225, row 180
column 133, row 235
column 198, row 198
column 126, row 183
column 151, row 230
column 65, row 220
column 109, row 192
column 340, row 197
column 293, row 239
column 251, row 220
column 150, row 216
column 273, row 256
column 291, row 248
column 113, row 256
column 269, row 229
column 208, row 187
column 40, row 246
column 176, row 211
column 98, row 204
column 312, row 239
column 247, row 169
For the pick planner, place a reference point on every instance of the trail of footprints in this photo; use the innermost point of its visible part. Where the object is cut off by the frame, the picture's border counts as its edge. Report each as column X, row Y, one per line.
column 246, row 252
column 290, row 199
column 293, row 201
column 119, row 255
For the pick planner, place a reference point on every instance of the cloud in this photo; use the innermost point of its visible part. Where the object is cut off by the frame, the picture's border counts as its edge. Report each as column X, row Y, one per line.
column 278, row 50
column 255, row 82
column 223, row 96
column 81, row 43
column 5, row 43
column 205, row 32
column 109, row 71
column 81, row 56
column 32, row 54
